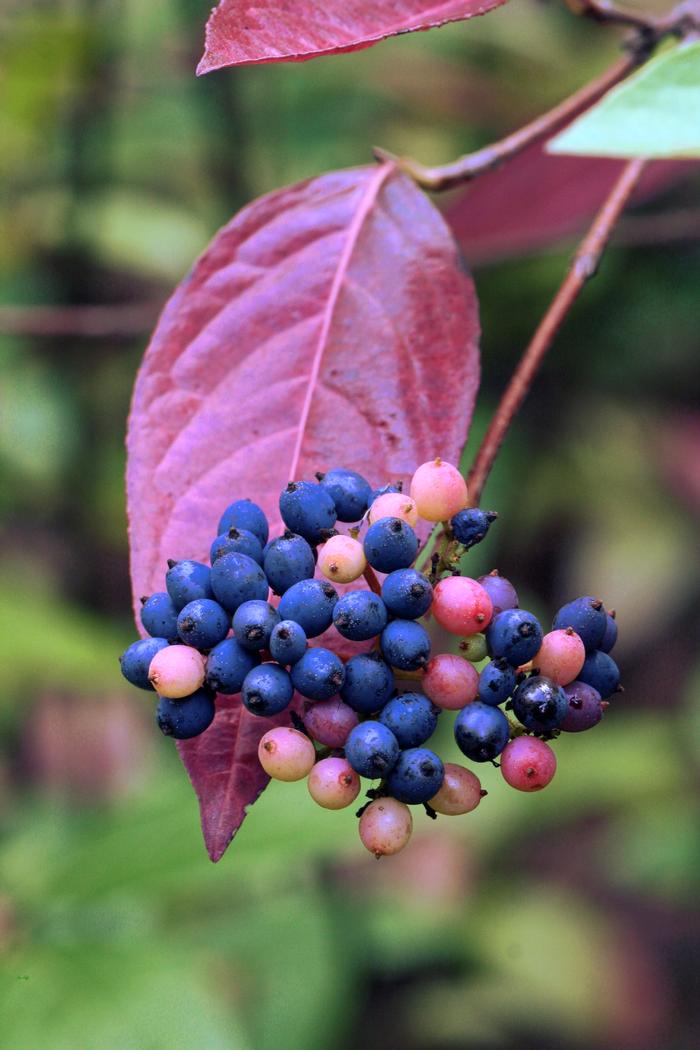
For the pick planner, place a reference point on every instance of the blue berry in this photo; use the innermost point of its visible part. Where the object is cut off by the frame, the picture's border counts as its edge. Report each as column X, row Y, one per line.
column 267, row 690
column 287, row 642
column 607, row 642
column 236, row 578
column 183, row 719
column 585, row 708
column 349, row 491
column 600, row 670
column 288, row 559
column 471, row 525
column 360, row 615
column 369, row 682
column 308, row 509
column 227, row 665
column 310, row 603
column 203, row 623
column 382, row 491
column 540, row 704
column 481, row 731
column 136, row 660
column 496, row 682
column 371, row 749
column 405, row 644
column 407, row 593
column 411, row 717
column 514, row 635
column 186, row 581
column 416, row 777
column 244, row 514
column 253, row 623
column 587, row 617
column 159, row 616
column 318, row 675
column 500, row 590
column 237, row 541
column 390, row 544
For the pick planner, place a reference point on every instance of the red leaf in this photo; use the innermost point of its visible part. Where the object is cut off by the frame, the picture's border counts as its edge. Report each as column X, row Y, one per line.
column 329, row 323
column 243, row 31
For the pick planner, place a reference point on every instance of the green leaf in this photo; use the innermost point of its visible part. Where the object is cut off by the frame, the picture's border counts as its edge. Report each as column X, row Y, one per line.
column 656, row 113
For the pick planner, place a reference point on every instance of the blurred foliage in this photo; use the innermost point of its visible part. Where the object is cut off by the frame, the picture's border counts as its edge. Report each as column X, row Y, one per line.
column 560, row 920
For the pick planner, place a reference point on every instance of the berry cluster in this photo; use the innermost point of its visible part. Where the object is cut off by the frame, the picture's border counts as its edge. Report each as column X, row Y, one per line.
column 372, row 714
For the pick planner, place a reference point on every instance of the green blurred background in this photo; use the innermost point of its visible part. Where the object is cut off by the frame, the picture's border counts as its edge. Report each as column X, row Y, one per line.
column 566, row 919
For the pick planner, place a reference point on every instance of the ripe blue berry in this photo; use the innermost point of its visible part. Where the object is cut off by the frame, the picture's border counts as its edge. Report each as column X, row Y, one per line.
column 236, row 578
column 405, row 644
column 369, row 682
column 203, row 623
column 500, row 590
column 310, row 603
column 183, row 719
column 411, row 717
column 496, row 682
column 585, row 708
column 481, row 731
column 308, row 509
column 227, row 665
column 253, row 623
column 159, row 616
column 185, row 581
column 288, row 559
column 407, row 593
column 136, row 660
column 600, row 671
column 244, row 514
column 587, row 617
column 318, row 675
column 471, row 525
column 390, row 544
column 267, row 690
column 416, row 777
column 287, row 642
column 540, row 704
column 607, row 642
column 237, row 541
column 382, row 491
column 514, row 635
column 349, row 491
column 371, row 749
column 360, row 615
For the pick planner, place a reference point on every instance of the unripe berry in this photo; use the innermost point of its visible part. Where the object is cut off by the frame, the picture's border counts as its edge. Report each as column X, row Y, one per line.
column 460, row 792
column 333, row 783
column 561, row 656
column 286, row 754
column 528, row 764
column 474, row 648
column 461, row 605
column 330, row 721
column 385, row 826
column 342, row 559
column 176, row 671
column 394, row 505
column 439, row 490
column 451, row 682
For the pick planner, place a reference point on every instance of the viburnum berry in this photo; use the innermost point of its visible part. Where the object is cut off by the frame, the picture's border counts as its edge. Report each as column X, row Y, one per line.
column 540, row 704
column 176, row 671
column 349, row 491
column 333, row 783
column 385, row 826
column 159, row 616
column 186, row 717
column 360, row 615
column 187, row 580
column 469, row 526
column 460, row 791
column 227, row 665
column 514, row 635
column 308, row 509
column 439, row 490
column 481, row 731
column 310, row 603
column 496, row 682
column 286, row 754
column 237, row 541
column 390, row 544
column 287, row 560
column 407, row 593
column 330, row 721
column 500, row 590
column 203, row 623
column 267, row 690
column 461, row 605
column 411, row 717
column 474, row 648
column 607, row 642
column 235, row 579
column 416, row 776
column 136, row 660
column 561, row 656
column 371, row 749
column 342, row 559
column 287, row 642
column 405, row 644
column 600, row 670
column 585, row 708
column 450, row 681
column 528, row 764
column 394, row 505
column 587, row 617
column 369, row 682
column 319, row 674
column 244, row 514
column 253, row 624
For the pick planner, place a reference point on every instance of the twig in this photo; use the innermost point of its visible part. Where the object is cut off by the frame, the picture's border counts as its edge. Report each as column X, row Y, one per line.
column 372, row 581
column 90, row 322
column 583, row 267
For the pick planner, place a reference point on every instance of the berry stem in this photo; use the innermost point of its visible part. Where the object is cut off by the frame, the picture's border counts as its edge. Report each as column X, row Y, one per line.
column 372, row 581
column 583, row 267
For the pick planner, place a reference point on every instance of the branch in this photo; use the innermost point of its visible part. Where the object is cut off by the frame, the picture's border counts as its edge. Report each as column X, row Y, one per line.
column 91, row 322
column 583, row 267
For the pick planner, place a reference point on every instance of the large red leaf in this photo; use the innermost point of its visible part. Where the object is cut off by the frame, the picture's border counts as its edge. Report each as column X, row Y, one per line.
column 328, row 323
column 243, row 31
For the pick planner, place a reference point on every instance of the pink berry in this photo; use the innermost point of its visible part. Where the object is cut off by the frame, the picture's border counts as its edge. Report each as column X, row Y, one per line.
column 527, row 763
column 385, row 826
column 451, row 682
column 286, row 754
column 461, row 605
column 330, row 721
column 460, row 792
column 177, row 671
column 342, row 559
column 439, row 490
column 394, row 505
column 561, row 656
column 333, row 783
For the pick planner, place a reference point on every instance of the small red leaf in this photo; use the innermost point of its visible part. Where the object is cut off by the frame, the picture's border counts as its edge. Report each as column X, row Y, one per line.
column 330, row 323
column 243, row 31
